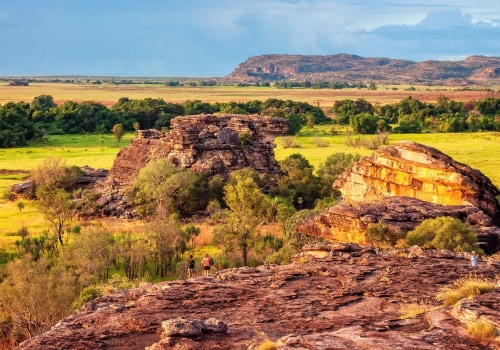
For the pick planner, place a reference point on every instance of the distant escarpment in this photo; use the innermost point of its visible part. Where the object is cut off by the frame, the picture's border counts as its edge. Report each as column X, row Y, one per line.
column 404, row 184
column 206, row 144
column 478, row 70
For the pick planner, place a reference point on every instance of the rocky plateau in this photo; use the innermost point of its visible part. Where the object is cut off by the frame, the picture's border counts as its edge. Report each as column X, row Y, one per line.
column 338, row 296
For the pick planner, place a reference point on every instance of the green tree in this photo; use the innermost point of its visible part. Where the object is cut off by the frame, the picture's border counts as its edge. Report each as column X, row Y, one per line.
column 443, row 233
column 57, row 207
column 161, row 185
column 334, row 166
column 168, row 243
column 364, row 123
column 20, row 205
column 16, row 125
column 118, row 131
column 247, row 206
column 191, row 232
column 91, row 254
column 298, row 181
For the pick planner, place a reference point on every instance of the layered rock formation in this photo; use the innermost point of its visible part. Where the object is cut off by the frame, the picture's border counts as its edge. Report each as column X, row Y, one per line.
column 422, row 172
column 351, row 298
column 404, row 184
column 207, row 144
column 479, row 70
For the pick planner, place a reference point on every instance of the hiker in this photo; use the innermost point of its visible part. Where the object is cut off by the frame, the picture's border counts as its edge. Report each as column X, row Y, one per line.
column 207, row 262
column 190, row 267
column 473, row 259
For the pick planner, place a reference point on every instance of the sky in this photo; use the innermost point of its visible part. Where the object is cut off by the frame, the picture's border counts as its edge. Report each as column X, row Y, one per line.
column 209, row 38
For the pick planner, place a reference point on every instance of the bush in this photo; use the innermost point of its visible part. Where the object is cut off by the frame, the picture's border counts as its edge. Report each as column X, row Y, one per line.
column 464, row 288
column 267, row 345
column 482, row 329
column 443, row 233
column 381, row 235
column 289, row 142
column 87, row 295
column 319, row 142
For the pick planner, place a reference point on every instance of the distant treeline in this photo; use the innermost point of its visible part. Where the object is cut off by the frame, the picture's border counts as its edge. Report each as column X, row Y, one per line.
column 413, row 116
column 22, row 122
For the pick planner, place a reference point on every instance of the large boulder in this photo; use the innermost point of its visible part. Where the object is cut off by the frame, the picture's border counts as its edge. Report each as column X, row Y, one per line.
column 207, row 144
column 411, row 169
column 402, row 185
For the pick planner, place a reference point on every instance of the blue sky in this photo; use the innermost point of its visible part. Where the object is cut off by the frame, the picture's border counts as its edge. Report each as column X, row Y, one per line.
column 211, row 37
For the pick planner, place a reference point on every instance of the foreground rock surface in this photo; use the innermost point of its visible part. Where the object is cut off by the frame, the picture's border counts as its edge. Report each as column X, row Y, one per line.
column 350, row 298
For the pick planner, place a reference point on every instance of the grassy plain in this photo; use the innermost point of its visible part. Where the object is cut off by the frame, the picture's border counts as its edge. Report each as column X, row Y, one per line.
column 109, row 94
column 478, row 150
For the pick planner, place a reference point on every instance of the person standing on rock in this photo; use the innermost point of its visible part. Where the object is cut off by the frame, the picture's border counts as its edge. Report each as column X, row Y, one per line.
column 473, row 260
column 207, row 262
column 191, row 267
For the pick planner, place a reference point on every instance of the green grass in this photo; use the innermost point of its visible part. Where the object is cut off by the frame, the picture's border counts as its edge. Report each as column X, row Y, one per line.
column 478, row 150
column 96, row 151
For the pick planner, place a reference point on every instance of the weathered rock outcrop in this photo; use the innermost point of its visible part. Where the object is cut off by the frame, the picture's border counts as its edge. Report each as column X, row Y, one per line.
column 410, row 169
column 89, row 178
column 402, row 185
column 351, row 298
column 349, row 222
column 207, row 144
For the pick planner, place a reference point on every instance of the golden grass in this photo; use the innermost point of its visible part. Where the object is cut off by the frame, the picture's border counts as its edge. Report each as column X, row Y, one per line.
column 109, row 94
column 414, row 309
column 267, row 345
column 482, row 329
column 466, row 287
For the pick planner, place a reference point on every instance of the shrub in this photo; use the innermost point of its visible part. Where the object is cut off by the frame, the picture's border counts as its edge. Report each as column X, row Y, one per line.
column 381, row 235
column 464, row 288
column 289, row 142
column 267, row 345
column 319, row 142
column 414, row 309
column 86, row 295
column 443, row 233
column 482, row 329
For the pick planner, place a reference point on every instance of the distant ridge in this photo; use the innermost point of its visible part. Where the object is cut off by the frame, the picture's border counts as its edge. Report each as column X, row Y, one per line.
column 474, row 70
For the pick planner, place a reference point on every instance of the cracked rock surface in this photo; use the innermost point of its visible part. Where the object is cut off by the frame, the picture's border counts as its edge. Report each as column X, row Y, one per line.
column 343, row 300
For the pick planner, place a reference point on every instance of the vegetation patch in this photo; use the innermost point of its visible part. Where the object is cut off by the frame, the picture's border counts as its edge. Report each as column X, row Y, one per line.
column 482, row 329
column 466, row 287
column 414, row 309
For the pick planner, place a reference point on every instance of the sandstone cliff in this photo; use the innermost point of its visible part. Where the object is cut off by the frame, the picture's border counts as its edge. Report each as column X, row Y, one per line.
column 479, row 70
column 402, row 185
column 347, row 297
column 204, row 143
column 207, row 144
